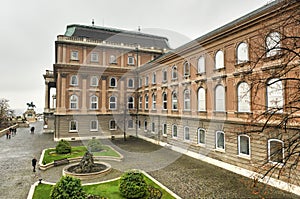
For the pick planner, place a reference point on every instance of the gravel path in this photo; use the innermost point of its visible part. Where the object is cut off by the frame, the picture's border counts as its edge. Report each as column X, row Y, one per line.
column 187, row 177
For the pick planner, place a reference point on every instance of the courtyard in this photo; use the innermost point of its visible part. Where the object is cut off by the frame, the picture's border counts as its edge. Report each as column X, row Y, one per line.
column 185, row 176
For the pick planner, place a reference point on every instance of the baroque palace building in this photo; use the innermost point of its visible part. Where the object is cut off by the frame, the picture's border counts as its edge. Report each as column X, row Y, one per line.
column 213, row 96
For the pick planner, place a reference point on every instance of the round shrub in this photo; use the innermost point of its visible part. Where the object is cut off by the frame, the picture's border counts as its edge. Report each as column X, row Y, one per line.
column 63, row 147
column 67, row 187
column 133, row 185
column 94, row 145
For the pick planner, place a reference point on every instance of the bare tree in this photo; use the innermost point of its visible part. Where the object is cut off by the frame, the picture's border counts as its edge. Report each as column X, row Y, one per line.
column 5, row 112
column 275, row 92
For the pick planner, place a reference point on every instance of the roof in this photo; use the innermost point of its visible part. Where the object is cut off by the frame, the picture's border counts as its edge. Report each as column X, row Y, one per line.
column 117, row 35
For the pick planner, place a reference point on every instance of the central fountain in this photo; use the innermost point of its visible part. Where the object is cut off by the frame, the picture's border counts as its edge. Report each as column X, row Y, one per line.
column 87, row 168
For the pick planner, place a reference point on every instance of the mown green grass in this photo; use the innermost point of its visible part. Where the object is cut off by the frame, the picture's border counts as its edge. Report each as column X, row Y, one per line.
column 77, row 151
column 108, row 190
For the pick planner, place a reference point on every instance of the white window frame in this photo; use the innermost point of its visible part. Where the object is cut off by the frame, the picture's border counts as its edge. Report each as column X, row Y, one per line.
column 201, row 65
column 219, row 60
column 174, row 101
column 130, row 102
column 74, row 55
column 186, row 69
column 94, row 81
column 146, row 102
column 71, row 129
column 92, row 102
column 186, row 134
column 130, row 60
column 242, row 54
column 217, row 144
column 201, row 99
column 199, row 132
column 269, row 151
column 113, row 103
column 130, row 83
column 147, row 80
column 91, row 125
column 273, row 44
column 174, row 126
column 112, row 127
column 275, row 95
column 240, row 153
column 112, row 59
column 140, row 82
column 140, row 102
column 174, row 73
column 243, row 91
column 187, row 100
column 164, row 75
column 153, row 101
column 94, row 57
column 220, row 99
column 110, row 82
column 74, row 80
column 165, row 101
column 74, row 102
column 164, row 127
column 154, row 78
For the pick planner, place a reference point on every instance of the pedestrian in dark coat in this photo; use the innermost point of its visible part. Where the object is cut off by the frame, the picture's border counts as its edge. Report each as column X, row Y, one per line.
column 33, row 162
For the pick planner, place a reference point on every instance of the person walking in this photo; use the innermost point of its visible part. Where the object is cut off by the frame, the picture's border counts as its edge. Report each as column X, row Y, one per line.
column 33, row 163
column 32, row 129
column 7, row 133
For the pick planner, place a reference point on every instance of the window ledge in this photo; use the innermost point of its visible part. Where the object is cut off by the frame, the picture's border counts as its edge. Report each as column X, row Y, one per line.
column 247, row 157
column 201, row 145
column 96, row 130
column 242, row 64
column 73, row 131
column 220, row 150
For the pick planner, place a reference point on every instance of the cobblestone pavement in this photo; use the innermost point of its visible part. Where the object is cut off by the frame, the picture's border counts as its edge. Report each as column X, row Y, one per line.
column 187, row 177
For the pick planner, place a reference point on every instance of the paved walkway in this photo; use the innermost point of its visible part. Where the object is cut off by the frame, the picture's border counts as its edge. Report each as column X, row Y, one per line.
column 187, row 177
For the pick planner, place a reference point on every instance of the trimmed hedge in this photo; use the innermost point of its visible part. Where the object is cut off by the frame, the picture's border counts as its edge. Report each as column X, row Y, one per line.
column 133, row 185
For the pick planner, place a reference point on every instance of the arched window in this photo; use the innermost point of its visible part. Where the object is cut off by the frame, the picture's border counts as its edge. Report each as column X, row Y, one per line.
column 73, row 126
column 174, row 101
column 174, row 72
column 219, row 60
column 219, row 98
column 73, row 102
column 94, row 81
column 187, row 100
column 186, row 133
column 164, row 75
column 220, row 140
column 186, row 69
column 113, row 103
column 275, row 150
column 201, row 99
column 201, row 136
column 272, row 44
column 147, row 80
column 130, row 102
column 164, row 129
column 146, row 102
column 153, row 101
column 174, row 131
column 130, row 83
column 113, row 82
column 74, row 80
column 165, row 101
column 201, row 64
column 243, row 97
column 145, row 125
column 244, row 145
column 275, row 95
column 154, row 78
column 93, row 102
column 242, row 53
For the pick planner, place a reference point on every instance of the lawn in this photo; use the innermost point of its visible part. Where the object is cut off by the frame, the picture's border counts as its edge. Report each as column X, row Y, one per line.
column 108, row 190
column 78, row 151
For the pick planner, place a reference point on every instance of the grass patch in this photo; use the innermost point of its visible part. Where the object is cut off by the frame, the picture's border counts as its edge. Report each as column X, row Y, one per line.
column 108, row 190
column 78, row 151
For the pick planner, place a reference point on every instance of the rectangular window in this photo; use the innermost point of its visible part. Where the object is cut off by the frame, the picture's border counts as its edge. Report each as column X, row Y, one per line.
column 73, row 126
column 130, row 124
column 154, row 78
column 140, row 82
column 146, row 81
column 275, row 151
column 74, row 55
column 244, row 145
column 153, row 127
column 201, row 136
column 130, row 60
column 164, row 129
column 112, row 125
column 94, row 125
column 165, row 76
column 94, row 57
column 220, row 140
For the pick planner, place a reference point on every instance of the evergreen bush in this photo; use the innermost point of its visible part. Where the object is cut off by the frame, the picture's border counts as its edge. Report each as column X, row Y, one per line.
column 63, row 147
column 133, row 185
column 94, row 145
column 67, row 188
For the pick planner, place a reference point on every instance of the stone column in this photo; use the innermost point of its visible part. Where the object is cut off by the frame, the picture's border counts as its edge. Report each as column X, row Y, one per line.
column 64, row 54
column 63, row 92
column 84, row 55
column 46, row 109
column 104, row 95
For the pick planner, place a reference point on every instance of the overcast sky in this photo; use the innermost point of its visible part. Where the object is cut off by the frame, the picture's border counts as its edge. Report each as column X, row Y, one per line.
column 29, row 29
